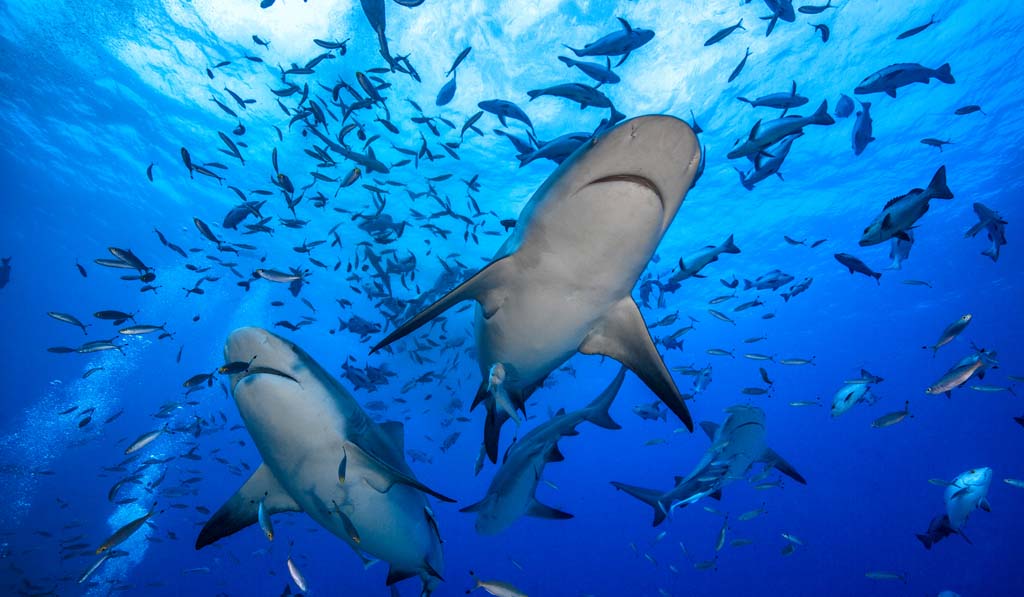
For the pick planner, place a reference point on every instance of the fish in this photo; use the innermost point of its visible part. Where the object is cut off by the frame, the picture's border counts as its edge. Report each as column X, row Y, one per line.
column 936, row 143
column 971, row 109
column 458, row 60
column 765, row 134
column 1014, row 482
column 504, row 110
column 894, row 76
column 122, row 534
column 960, row 373
column 844, row 107
column 691, row 265
column 601, row 73
column 887, row 420
column 296, row 575
column 724, row 33
column 899, row 250
column 739, row 67
column 915, row 30
column 5, row 271
column 447, row 92
column 798, row 288
column 967, row 493
column 901, row 213
column 951, row 332
column 265, row 522
column 511, row 493
column 823, row 30
column 851, row 394
column 642, row 169
column 735, row 446
column 300, row 471
column 143, row 440
column 768, row 162
column 781, row 101
column 620, row 43
column 772, row 280
column 900, row 576
column 721, row 316
column 939, row 529
column 498, row 588
column 856, row 265
column 862, row 129
column 994, row 225
column 68, row 318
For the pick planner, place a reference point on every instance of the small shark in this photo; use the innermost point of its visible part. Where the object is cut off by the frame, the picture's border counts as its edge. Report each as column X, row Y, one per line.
column 512, row 491
column 562, row 282
column 735, row 446
column 324, row 456
column 991, row 222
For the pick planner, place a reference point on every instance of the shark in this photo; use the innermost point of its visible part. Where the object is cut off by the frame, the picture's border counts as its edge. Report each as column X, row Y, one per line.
column 735, row 446
column 511, row 493
column 562, row 281
column 324, row 456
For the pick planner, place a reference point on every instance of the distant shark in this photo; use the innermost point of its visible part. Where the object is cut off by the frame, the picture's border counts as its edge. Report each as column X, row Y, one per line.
column 324, row 456
column 735, row 447
column 561, row 283
column 511, row 493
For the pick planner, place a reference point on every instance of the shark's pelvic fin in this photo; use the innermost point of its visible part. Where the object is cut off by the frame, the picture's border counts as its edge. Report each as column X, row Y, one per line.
column 709, row 428
column 542, row 511
column 242, row 509
column 622, row 335
column 485, row 287
column 772, row 458
column 382, row 476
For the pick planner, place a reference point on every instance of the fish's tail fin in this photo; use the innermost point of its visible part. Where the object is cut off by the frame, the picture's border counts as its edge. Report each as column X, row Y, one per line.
column 567, row 61
column 944, row 74
column 991, row 252
column 729, row 246
column 878, row 277
column 937, row 188
column 925, row 540
column 821, row 115
column 743, row 99
column 574, row 51
column 648, row 496
column 747, row 284
column 597, row 411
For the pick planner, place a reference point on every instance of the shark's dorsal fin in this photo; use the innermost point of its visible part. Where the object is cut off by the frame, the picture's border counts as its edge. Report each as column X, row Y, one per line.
column 380, row 475
column 396, row 433
column 772, row 458
column 709, row 428
column 622, row 335
column 542, row 511
column 242, row 509
column 484, row 287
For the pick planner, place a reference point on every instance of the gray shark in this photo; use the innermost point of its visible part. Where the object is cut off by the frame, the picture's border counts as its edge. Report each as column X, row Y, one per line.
column 511, row 493
column 735, row 447
column 324, row 456
column 994, row 224
column 561, row 283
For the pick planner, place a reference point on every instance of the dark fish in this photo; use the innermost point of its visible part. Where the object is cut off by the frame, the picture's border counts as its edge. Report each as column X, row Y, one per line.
column 187, row 159
column 739, row 67
column 149, row 172
column 446, row 94
column 813, row 10
column 916, row 30
column 722, row 34
column 823, row 30
column 458, row 60
column 968, row 110
column 856, row 265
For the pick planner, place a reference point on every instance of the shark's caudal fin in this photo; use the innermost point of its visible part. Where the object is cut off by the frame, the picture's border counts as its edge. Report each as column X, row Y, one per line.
column 937, row 187
column 925, row 540
column 484, row 287
column 821, row 116
column 772, row 458
column 597, row 411
column 622, row 335
column 242, row 509
column 729, row 246
column 648, row 496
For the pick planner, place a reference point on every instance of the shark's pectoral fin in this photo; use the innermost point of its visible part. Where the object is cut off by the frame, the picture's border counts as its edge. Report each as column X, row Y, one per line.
column 380, row 475
column 242, row 509
column 555, row 455
column 716, row 494
column 396, row 575
column 541, row 511
column 984, row 505
column 485, row 287
column 648, row 496
column 622, row 335
column 772, row 458
column 496, row 417
column 709, row 428
column 477, row 506
column 396, row 432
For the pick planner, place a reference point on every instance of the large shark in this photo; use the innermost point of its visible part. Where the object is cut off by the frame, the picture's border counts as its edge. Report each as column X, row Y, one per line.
column 324, row 456
column 735, row 446
column 561, row 283
column 511, row 493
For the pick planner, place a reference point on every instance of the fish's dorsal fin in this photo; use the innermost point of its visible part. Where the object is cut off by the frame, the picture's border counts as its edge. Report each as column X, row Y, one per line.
column 380, row 475
column 485, row 287
column 772, row 458
column 622, row 335
column 542, row 511
column 626, row 26
column 242, row 509
column 709, row 428
column 396, row 433
column 895, row 199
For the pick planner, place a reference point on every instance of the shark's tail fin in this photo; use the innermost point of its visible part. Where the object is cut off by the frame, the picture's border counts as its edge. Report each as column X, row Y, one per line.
column 729, row 246
column 821, row 116
column 937, row 188
column 992, row 252
column 925, row 540
column 648, row 496
column 597, row 411
column 944, row 74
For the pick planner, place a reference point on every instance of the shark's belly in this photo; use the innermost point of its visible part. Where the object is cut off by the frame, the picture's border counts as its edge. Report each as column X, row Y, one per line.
column 579, row 256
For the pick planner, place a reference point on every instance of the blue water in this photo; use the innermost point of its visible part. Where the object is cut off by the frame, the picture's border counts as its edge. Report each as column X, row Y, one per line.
column 92, row 94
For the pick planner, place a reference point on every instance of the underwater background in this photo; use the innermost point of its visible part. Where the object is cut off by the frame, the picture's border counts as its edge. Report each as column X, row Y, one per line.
column 94, row 94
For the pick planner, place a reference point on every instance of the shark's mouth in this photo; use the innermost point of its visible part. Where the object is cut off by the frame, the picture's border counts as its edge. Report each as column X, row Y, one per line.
column 632, row 179
column 264, row 371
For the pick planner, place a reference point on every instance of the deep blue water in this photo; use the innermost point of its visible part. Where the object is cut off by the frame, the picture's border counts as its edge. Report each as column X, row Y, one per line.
column 93, row 94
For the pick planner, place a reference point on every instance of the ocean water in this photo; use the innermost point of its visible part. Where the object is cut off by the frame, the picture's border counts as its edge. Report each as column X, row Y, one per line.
column 93, row 94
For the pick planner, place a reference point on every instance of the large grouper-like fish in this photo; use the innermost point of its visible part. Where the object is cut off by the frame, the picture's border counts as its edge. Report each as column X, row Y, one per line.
column 324, row 456
column 561, row 283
